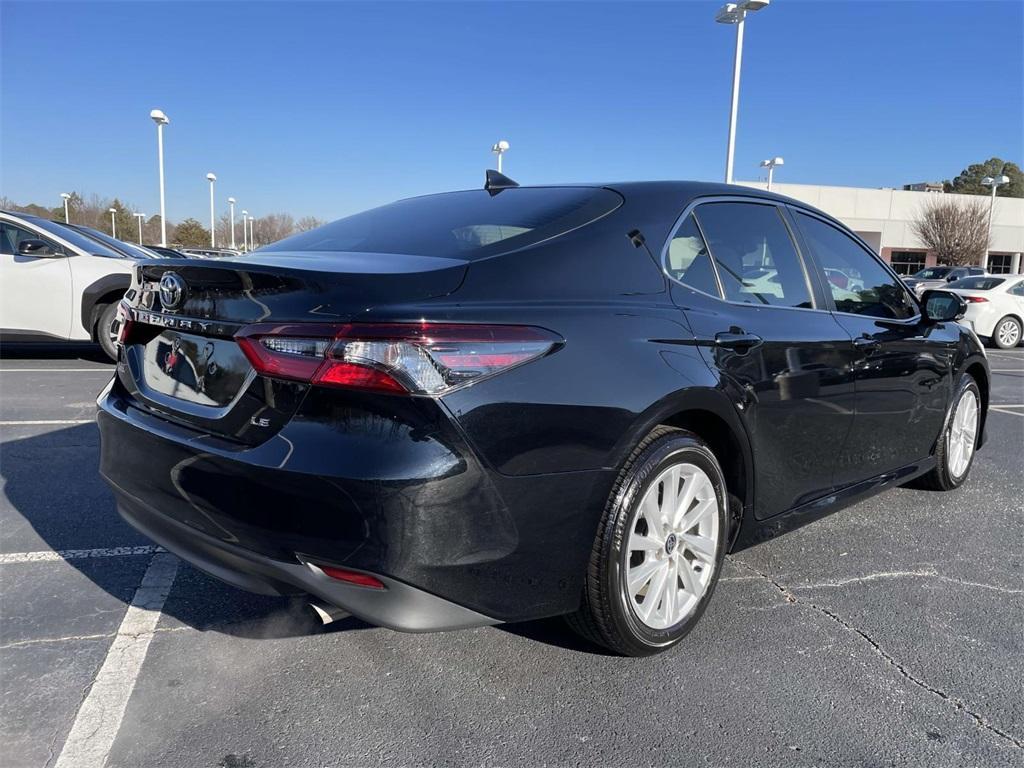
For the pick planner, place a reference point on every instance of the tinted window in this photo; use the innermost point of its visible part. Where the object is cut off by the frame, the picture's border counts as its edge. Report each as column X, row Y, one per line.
column 933, row 273
column 688, row 258
column 462, row 225
column 978, row 283
column 1018, row 289
column 869, row 288
column 11, row 235
column 755, row 257
column 74, row 237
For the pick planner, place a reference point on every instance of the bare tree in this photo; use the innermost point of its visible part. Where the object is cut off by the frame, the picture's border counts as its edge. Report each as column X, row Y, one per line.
column 957, row 230
column 307, row 223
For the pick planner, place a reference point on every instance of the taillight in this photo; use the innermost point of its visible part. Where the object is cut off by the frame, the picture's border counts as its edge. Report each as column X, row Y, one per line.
column 975, row 299
column 358, row 578
column 422, row 358
column 123, row 319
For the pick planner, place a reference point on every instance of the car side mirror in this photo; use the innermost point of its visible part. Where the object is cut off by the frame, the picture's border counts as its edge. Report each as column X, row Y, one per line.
column 943, row 306
column 39, row 249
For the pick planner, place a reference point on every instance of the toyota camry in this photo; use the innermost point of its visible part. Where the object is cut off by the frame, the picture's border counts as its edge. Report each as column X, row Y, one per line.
column 514, row 402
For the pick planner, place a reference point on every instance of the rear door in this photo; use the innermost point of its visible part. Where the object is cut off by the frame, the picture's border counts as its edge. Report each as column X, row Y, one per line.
column 756, row 312
column 902, row 369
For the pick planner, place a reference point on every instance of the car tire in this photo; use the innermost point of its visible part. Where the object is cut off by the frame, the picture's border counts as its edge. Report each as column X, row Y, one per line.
column 103, row 332
column 960, row 435
column 692, row 536
column 1006, row 333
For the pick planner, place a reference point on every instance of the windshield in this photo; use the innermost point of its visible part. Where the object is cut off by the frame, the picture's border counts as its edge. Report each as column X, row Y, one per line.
column 461, row 225
column 933, row 273
column 76, row 238
column 128, row 249
column 978, row 283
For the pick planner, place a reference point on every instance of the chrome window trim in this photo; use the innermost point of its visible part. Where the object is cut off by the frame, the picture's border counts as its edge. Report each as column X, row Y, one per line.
column 692, row 206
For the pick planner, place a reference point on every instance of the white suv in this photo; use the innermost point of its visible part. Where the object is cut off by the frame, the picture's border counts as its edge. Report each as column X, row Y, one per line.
column 57, row 283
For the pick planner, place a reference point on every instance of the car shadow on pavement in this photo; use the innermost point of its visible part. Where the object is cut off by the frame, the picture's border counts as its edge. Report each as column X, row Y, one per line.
column 84, row 351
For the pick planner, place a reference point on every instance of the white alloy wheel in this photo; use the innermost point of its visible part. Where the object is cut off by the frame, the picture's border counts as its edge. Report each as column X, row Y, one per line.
column 1008, row 333
column 962, row 434
column 672, row 549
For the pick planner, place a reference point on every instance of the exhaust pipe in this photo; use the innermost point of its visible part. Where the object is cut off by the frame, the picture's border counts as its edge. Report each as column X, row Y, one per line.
column 327, row 613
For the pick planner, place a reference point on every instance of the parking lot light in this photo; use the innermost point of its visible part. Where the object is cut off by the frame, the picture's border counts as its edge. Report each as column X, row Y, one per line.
column 995, row 182
column 500, row 148
column 66, row 196
column 213, row 224
column 140, row 217
column 245, row 236
column 231, row 204
column 771, row 165
column 735, row 13
column 161, row 120
column 113, row 222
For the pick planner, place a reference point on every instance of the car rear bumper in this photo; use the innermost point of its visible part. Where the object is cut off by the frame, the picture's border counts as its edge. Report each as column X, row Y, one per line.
column 397, row 495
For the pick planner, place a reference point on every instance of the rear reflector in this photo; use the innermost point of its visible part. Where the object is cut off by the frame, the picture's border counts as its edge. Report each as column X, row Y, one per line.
column 352, row 577
column 422, row 358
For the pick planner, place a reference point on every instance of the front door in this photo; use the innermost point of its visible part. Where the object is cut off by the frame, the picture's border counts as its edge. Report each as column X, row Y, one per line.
column 750, row 303
column 903, row 369
column 35, row 292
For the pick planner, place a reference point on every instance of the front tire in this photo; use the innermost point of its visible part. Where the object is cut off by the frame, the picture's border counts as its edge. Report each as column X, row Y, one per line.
column 104, row 331
column 659, row 548
column 954, row 453
column 1006, row 333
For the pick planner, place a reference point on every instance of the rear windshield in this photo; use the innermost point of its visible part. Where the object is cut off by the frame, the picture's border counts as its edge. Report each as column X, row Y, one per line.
column 461, row 225
column 978, row 283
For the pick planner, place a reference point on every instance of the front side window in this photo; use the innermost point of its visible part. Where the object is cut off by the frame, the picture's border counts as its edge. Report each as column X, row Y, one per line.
column 755, row 257
column 688, row 259
column 870, row 289
column 11, row 236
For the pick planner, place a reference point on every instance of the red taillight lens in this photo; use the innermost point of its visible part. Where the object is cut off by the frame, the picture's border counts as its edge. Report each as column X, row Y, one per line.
column 123, row 319
column 975, row 299
column 352, row 577
column 426, row 358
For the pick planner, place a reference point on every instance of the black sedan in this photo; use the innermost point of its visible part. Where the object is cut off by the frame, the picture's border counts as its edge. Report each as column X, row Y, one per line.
column 516, row 402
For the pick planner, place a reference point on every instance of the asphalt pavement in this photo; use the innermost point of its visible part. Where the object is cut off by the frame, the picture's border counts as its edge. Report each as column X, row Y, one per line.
column 891, row 633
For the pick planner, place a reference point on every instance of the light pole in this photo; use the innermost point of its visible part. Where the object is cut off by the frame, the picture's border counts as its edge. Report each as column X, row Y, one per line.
column 113, row 222
column 210, row 177
column 66, row 196
column 735, row 13
column 771, row 165
column 140, row 217
column 995, row 182
column 231, row 203
column 252, row 233
column 245, row 236
column 500, row 149
column 161, row 120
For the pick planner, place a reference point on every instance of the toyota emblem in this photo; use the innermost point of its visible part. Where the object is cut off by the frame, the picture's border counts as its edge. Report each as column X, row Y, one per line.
column 172, row 291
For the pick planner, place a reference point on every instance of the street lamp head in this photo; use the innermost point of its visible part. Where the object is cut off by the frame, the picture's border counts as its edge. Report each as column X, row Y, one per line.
column 65, row 195
column 245, row 213
column 211, row 177
column 112, row 210
column 231, row 200
column 158, row 117
column 734, row 13
column 501, row 146
column 995, row 181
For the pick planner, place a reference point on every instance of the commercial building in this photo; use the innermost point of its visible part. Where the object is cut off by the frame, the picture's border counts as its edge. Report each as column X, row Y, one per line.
column 883, row 218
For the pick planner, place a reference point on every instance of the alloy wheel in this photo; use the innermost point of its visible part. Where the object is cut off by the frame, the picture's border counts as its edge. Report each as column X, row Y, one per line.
column 672, row 548
column 962, row 434
column 1008, row 333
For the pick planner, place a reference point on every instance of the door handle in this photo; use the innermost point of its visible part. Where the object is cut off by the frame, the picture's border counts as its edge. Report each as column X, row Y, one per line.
column 742, row 342
column 866, row 343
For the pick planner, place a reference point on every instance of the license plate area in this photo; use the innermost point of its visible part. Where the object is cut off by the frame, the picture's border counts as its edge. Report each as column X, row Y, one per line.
column 178, row 368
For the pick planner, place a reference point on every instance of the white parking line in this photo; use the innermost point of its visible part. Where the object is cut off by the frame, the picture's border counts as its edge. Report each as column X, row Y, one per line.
column 1006, row 410
column 76, row 554
column 45, row 422
column 99, row 718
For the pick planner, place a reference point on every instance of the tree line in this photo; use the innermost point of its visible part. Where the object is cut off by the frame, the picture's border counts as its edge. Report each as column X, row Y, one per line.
column 94, row 211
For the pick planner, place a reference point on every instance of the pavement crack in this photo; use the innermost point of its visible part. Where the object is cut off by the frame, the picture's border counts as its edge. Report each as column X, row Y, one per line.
column 926, row 573
column 958, row 703
column 39, row 640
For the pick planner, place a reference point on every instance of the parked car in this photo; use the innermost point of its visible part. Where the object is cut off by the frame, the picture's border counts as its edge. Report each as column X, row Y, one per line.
column 995, row 307
column 58, row 283
column 130, row 250
column 504, row 404
column 209, row 253
column 937, row 277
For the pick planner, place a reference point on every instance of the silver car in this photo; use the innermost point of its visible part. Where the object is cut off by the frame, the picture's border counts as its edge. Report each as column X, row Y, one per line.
column 938, row 277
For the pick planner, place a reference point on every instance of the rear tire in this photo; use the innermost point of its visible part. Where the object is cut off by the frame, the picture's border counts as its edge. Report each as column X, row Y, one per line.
column 1006, row 333
column 659, row 547
column 954, row 453
column 103, row 331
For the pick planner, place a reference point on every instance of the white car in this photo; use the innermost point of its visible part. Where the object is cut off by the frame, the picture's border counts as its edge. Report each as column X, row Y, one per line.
column 58, row 283
column 995, row 307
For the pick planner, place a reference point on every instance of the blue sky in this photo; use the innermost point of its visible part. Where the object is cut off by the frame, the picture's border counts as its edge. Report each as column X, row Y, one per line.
column 328, row 108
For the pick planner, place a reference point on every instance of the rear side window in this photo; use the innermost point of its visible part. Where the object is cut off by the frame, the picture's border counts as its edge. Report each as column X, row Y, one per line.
column 461, row 225
column 978, row 283
column 756, row 260
column 688, row 259
column 868, row 289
